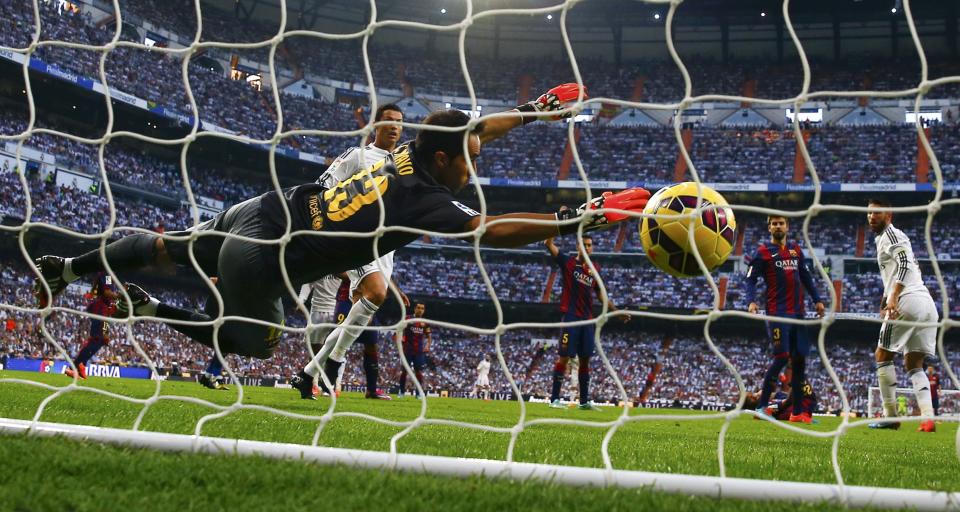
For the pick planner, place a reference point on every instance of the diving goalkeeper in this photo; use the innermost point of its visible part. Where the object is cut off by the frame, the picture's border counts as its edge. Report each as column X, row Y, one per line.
column 416, row 185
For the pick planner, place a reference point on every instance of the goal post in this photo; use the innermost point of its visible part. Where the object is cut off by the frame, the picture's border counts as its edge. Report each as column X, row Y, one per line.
column 949, row 401
column 693, row 485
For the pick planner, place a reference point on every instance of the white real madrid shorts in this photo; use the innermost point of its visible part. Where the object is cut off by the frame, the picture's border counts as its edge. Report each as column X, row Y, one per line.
column 383, row 264
column 903, row 339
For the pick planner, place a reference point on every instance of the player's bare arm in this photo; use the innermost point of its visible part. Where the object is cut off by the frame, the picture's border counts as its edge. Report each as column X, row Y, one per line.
column 551, row 247
column 624, row 317
column 403, row 296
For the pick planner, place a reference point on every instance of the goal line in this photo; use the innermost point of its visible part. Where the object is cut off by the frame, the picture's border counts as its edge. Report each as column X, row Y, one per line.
column 707, row 486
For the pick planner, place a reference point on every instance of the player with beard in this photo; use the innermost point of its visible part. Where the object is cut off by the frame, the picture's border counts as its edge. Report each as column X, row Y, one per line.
column 781, row 265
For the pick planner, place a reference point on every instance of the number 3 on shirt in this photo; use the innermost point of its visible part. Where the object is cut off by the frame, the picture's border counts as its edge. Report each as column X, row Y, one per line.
column 352, row 194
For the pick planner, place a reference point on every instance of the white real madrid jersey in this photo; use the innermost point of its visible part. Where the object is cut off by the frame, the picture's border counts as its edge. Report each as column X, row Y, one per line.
column 898, row 263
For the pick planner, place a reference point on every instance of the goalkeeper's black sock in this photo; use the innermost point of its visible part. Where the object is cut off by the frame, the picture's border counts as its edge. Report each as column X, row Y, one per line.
column 200, row 333
column 371, row 368
column 129, row 253
column 558, row 370
column 403, row 380
column 583, row 377
column 331, row 369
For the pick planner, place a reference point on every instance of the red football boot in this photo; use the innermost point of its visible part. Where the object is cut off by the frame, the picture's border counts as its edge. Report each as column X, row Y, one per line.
column 927, row 426
column 80, row 373
column 801, row 418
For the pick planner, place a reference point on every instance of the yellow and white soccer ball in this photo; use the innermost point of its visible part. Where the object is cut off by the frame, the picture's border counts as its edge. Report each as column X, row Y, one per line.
column 665, row 238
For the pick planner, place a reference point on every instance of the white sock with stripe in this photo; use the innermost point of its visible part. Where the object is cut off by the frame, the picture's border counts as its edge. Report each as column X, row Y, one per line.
column 887, row 379
column 921, row 386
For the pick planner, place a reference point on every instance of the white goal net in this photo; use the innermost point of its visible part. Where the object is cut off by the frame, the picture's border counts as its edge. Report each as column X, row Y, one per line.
column 722, row 485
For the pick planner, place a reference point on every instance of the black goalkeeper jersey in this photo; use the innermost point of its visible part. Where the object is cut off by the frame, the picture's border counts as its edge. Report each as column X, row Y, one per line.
column 411, row 198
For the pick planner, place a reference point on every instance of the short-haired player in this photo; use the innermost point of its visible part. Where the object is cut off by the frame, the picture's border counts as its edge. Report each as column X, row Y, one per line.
column 781, row 265
column 103, row 300
column 905, row 297
column 579, row 281
column 415, row 343
column 482, row 386
column 368, row 284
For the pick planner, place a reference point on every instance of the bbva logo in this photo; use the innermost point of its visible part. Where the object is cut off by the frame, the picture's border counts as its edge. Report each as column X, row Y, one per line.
column 99, row 370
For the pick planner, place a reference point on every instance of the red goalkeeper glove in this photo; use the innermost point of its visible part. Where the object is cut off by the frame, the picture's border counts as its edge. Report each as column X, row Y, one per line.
column 553, row 100
column 630, row 200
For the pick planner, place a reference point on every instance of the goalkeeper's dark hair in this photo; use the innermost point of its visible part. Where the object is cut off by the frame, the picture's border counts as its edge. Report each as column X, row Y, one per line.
column 880, row 201
column 428, row 142
column 383, row 108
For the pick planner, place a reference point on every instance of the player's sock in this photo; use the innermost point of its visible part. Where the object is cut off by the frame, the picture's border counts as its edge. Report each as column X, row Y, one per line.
column 340, row 339
column 559, row 370
column 371, row 368
column 887, row 380
column 343, row 368
column 798, row 365
column 88, row 350
column 215, row 368
column 359, row 316
column 770, row 380
column 423, row 383
column 583, row 379
column 319, row 356
column 921, row 386
column 403, row 381
column 129, row 253
column 331, row 369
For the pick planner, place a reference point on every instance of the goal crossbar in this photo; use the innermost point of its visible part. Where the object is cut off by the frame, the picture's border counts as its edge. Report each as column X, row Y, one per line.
column 707, row 486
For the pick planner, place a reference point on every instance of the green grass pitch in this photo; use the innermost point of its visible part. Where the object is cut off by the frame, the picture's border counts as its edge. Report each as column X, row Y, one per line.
column 94, row 477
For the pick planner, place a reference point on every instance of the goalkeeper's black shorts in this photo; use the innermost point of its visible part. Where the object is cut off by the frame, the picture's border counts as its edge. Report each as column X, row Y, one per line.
column 248, row 277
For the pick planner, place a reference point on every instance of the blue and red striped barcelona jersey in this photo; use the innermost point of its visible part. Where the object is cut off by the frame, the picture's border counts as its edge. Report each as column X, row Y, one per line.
column 414, row 336
column 785, row 273
column 578, row 284
column 101, row 305
column 343, row 293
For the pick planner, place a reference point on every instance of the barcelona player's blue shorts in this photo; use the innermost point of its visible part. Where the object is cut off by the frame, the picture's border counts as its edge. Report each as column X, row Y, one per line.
column 577, row 341
column 367, row 337
column 417, row 361
column 788, row 339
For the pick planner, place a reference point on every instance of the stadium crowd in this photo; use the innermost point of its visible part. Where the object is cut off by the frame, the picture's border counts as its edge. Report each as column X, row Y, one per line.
column 688, row 370
column 848, row 154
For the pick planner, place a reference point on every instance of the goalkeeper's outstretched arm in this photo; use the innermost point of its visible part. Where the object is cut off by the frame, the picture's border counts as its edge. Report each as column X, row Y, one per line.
column 510, row 230
column 550, row 101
